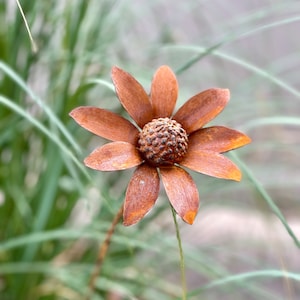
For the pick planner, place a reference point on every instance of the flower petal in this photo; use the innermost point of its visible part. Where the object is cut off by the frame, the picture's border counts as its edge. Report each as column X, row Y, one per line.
column 114, row 156
column 182, row 192
column 202, row 108
column 132, row 96
column 105, row 124
column 141, row 194
column 164, row 92
column 217, row 138
column 212, row 164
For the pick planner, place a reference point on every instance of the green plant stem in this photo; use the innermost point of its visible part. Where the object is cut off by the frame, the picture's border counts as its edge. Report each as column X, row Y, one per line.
column 102, row 253
column 182, row 267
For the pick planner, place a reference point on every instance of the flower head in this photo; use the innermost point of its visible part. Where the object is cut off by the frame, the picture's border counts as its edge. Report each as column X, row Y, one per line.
column 161, row 143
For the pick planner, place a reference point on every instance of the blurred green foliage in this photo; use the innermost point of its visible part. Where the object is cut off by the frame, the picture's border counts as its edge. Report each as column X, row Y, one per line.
column 54, row 212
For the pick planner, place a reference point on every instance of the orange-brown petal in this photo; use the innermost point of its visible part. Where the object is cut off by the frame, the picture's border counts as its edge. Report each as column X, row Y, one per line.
column 114, row 156
column 217, row 138
column 182, row 192
column 212, row 164
column 141, row 194
column 105, row 124
column 202, row 108
column 132, row 96
column 164, row 92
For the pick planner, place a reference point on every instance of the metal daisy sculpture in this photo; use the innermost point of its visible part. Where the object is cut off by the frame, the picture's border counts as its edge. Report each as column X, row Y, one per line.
column 161, row 144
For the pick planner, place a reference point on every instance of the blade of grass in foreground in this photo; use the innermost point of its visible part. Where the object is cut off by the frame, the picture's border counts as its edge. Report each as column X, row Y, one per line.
column 238, row 278
column 238, row 61
column 105, row 83
column 52, row 117
column 72, row 234
column 10, row 104
column 267, row 198
column 274, row 120
column 234, row 37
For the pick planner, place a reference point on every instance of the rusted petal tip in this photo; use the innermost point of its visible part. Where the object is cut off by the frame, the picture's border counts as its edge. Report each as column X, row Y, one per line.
column 141, row 194
column 164, row 92
column 132, row 96
column 202, row 108
column 218, row 139
column 189, row 217
column 114, row 156
column 182, row 192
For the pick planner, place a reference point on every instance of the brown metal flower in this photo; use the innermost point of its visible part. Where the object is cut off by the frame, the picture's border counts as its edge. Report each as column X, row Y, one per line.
column 161, row 143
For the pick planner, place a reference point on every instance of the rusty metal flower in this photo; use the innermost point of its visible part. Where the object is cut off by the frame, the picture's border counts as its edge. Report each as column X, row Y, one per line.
column 161, row 143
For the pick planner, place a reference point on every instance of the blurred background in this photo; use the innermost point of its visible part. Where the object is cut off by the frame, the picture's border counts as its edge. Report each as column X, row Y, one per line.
column 54, row 212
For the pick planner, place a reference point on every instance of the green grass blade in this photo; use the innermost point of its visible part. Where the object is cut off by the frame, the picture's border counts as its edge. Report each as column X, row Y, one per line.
column 274, row 120
column 238, row 61
column 239, row 278
column 52, row 117
column 266, row 197
column 55, row 139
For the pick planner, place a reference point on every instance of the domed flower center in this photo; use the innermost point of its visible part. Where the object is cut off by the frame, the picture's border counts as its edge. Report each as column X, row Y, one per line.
column 163, row 142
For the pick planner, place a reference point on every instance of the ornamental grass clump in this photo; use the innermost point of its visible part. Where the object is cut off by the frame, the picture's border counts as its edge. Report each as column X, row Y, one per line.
column 160, row 143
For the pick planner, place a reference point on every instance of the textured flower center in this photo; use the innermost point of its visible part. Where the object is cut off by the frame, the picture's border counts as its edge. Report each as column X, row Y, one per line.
column 163, row 142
